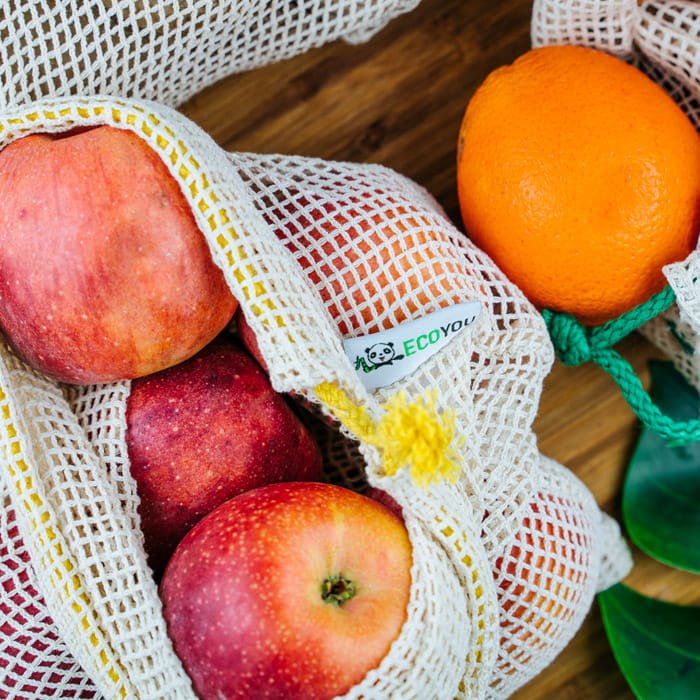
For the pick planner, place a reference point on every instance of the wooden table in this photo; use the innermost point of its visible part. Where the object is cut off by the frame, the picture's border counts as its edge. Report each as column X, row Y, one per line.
column 398, row 100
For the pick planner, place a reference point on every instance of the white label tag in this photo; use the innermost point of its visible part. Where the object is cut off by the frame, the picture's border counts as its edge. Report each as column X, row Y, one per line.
column 384, row 357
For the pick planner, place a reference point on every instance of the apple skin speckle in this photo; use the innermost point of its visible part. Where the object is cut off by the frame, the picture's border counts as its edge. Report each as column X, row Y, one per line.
column 130, row 286
column 204, row 431
column 242, row 594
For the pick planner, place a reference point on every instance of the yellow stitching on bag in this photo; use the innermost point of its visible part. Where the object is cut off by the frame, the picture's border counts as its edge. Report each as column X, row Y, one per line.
column 476, row 650
column 186, row 167
column 480, row 610
column 412, row 434
column 51, row 545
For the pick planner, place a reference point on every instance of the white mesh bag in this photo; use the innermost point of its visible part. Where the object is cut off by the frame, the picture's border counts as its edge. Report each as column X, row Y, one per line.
column 662, row 38
column 165, row 50
column 509, row 547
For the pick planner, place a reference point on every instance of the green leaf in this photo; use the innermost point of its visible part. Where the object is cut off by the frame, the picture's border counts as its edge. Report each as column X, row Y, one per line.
column 656, row 644
column 661, row 494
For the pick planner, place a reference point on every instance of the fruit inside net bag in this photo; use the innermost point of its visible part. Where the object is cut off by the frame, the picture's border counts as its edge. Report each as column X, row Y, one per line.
column 509, row 547
column 660, row 37
column 165, row 50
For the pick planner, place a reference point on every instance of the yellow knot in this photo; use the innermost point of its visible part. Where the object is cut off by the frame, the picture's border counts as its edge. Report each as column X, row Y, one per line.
column 408, row 434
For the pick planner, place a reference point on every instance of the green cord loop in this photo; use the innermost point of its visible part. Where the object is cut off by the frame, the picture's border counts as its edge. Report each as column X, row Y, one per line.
column 572, row 341
column 575, row 344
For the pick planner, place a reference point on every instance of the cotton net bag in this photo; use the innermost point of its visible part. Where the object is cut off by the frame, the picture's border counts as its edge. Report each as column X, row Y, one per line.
column 509, row 547
column 662, row 38
column 165, row 50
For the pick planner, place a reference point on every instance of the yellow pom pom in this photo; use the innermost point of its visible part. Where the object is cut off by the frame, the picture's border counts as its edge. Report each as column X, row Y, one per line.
column 416, row 435
column 413, row 435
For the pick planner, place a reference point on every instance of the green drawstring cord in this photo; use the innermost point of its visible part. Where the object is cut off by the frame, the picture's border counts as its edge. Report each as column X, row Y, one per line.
column 575, row 344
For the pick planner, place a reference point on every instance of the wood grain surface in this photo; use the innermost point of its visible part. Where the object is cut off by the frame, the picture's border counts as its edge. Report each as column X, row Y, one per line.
column 398, row 100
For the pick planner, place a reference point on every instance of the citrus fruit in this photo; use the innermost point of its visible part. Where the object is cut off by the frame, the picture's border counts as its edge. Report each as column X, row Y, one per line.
column 580, row 177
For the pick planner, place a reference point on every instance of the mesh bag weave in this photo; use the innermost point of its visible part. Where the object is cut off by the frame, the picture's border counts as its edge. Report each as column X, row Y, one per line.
column 165, row 50
column 507, row 556
column 662, row 38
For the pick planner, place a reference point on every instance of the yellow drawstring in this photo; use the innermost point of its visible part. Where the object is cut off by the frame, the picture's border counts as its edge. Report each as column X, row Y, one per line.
column 408, row 434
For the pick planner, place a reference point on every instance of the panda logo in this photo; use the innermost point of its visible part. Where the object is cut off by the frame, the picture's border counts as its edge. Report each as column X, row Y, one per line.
column 381, row 354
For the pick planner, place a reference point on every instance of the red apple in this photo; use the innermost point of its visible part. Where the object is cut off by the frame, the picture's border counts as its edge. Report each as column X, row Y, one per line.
column 203, row 431
column 385, row 499
column 249, row 339
column 104, row 274
column 289, row 591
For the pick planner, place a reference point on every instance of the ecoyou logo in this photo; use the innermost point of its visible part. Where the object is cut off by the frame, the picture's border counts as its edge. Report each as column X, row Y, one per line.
column 382, row 358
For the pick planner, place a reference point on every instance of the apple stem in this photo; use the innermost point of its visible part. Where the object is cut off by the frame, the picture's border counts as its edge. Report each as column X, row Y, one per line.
column 337, row 590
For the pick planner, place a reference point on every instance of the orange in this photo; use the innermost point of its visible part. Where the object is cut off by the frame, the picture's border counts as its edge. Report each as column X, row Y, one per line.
column 580, row 177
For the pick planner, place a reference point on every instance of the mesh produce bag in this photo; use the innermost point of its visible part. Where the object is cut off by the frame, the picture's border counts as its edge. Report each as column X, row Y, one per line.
column 662, row 38
column 164, row 50
column 508, row 546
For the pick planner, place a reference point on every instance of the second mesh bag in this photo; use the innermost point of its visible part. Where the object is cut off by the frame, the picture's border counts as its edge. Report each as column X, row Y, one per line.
column 509, row 547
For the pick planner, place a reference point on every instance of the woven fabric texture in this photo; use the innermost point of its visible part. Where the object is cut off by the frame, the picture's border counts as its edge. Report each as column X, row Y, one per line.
column 507, row 557
column 165, row 50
